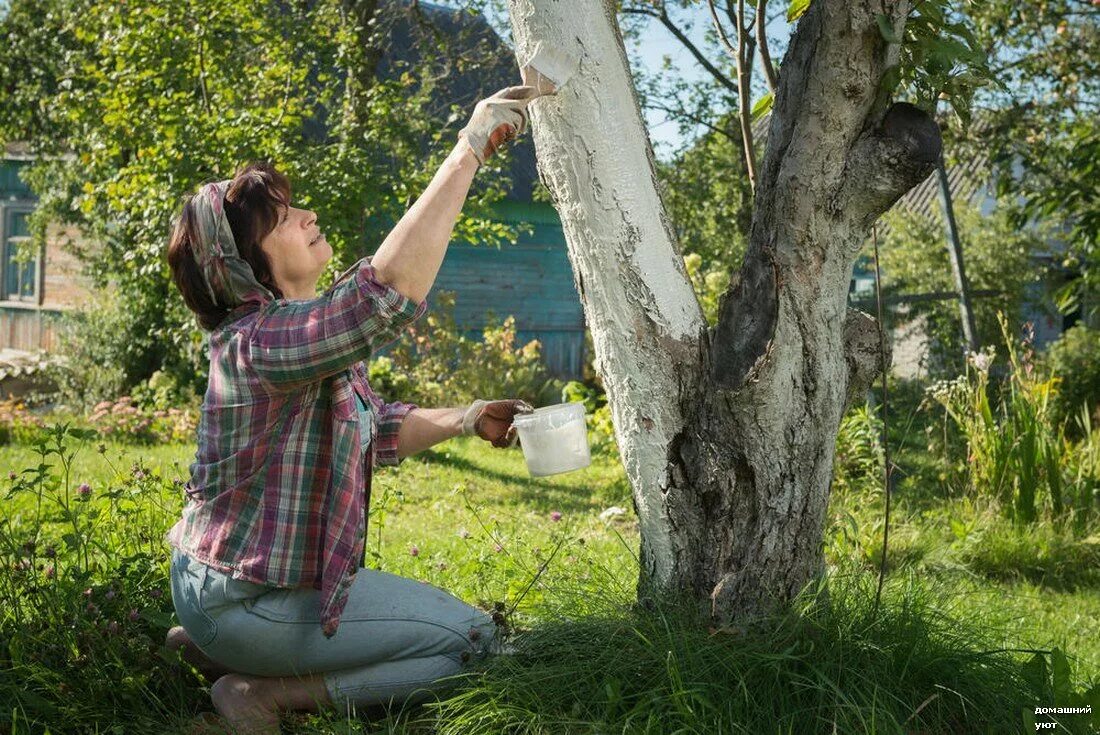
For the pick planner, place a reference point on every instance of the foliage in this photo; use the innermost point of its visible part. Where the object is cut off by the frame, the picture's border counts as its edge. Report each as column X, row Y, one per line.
column 709, row 284
column 601, row 429
column 999, row 258
column 1040, row 124
column 708, row 199
column 100, row 349
column 941, row 57
column 17, row 424
column 859, row 463
column 438, row 365
column 1017, row 454
column 123, row 421
column 1075, row 358
column 130, row 106
column 83, row 588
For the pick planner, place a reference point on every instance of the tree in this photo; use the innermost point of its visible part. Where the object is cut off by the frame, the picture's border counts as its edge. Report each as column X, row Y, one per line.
column 727, row 434
column 129, row 106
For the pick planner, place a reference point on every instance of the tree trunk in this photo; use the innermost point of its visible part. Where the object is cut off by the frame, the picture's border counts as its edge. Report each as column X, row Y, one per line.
column 727, row 437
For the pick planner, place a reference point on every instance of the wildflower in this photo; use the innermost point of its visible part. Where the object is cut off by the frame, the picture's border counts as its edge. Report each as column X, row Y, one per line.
column 92, row 609
column 463, row 533
column 112, row 627
column 498, row 548
column 441, row 565
column 12, row 476
column 414, row 550
column 156, row 594
column 29, row 547
column 50, row 552
column 88, row 592
column 555, row 516
column 110, row 594
column 50, row 572
column 139, row 475
column 84, row 491
column 134, row 615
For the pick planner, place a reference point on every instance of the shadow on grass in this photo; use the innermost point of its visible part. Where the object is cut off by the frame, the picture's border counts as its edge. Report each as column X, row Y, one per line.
column 567, row 497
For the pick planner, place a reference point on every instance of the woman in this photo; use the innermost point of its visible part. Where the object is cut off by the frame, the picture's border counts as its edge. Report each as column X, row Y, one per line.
column 265, row 571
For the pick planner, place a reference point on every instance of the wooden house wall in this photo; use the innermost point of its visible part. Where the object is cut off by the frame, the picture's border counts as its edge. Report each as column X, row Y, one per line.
column 531, row 280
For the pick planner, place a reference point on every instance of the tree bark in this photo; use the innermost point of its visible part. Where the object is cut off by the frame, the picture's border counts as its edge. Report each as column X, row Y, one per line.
column 728, row 437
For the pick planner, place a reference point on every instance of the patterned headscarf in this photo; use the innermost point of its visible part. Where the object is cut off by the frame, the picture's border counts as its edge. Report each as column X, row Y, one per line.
column 229, row 278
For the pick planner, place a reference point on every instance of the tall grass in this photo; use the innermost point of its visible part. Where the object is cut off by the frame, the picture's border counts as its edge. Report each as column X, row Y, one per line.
column 827, row 665
column 1016, row 452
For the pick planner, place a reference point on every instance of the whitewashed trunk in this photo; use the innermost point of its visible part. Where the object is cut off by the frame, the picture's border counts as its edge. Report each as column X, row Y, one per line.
column 727, row 436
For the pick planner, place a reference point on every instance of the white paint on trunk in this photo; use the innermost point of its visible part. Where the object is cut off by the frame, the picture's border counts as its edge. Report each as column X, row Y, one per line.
column 594, row 156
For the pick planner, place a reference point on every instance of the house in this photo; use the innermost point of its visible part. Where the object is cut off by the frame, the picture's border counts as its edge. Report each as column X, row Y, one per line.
column 34, row 293
column 531, row 280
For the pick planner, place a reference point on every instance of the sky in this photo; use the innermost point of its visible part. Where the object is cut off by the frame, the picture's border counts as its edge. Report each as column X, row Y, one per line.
column 658, row 42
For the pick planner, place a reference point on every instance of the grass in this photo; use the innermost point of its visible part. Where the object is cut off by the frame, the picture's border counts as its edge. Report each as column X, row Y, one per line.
column 963, row 586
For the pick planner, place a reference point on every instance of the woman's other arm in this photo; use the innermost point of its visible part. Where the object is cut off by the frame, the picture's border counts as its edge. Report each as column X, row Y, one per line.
column 424, row 427
column 490, row 420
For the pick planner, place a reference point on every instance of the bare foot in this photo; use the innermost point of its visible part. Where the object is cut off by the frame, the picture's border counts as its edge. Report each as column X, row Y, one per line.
column 178, row 639
column 245, row 705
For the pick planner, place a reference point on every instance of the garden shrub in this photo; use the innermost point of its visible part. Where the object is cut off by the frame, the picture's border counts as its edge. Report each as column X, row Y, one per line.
column 601, row 430
column 1075, row 359
column 438, row 365
column 124, row 421
column 17, row 424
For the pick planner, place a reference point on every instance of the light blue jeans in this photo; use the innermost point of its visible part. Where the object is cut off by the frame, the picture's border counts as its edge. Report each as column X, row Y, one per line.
column 397, row 637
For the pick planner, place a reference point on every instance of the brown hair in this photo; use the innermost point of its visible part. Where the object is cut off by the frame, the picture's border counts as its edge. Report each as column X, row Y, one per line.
column 253, row 206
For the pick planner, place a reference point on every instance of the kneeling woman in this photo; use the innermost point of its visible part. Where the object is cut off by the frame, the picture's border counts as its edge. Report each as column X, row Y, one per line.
column 265, row 572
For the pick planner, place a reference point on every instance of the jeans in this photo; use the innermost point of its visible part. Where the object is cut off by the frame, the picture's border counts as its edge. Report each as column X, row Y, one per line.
column 397, row 637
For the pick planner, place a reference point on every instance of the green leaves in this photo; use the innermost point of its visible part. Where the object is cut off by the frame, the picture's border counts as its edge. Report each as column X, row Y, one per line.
column 763, row 106
column 797, row 9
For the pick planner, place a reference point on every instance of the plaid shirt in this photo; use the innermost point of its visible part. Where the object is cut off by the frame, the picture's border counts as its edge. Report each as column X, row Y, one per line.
column 280, row 487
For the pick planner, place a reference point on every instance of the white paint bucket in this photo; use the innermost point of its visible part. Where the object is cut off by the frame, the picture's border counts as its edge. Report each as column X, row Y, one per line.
column 554, row 439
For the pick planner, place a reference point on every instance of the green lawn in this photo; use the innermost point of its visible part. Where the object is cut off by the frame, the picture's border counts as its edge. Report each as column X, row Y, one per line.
column 469, row 518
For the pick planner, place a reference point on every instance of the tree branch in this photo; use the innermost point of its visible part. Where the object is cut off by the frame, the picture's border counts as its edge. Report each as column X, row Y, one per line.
column 861, row 352
column 888, row 161
column 762, row 44
column 666, row 21
column 743, row 55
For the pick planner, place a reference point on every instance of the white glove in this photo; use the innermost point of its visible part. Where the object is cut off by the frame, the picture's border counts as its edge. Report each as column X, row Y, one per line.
column 497, row 118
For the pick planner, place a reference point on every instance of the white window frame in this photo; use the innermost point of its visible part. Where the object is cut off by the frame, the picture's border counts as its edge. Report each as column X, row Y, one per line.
column 7, row 209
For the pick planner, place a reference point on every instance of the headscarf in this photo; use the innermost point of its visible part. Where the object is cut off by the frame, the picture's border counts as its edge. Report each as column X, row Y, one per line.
column 229, row 279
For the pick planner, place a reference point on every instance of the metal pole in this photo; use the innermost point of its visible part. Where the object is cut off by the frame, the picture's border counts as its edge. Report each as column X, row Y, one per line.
column 954, row 249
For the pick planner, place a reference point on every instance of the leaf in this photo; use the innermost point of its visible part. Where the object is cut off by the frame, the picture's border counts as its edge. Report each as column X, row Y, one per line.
column 886, row 28
column 763, row 106
column 1061, row 676
column 796, row 9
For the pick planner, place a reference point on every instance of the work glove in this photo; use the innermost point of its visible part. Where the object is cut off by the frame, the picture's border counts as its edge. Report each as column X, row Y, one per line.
column 492, row 421
column 496, row 119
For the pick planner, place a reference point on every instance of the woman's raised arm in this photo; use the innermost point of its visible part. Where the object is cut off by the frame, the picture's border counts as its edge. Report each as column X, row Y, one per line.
column 409, row 258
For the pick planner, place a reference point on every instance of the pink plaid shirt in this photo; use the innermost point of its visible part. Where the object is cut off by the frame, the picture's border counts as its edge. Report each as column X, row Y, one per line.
column 279, row 488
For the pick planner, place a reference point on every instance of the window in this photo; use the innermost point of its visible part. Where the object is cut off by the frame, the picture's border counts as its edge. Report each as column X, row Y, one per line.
column 19, row 268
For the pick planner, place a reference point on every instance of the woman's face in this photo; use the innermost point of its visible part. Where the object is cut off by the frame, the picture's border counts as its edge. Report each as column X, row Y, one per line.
column 298, row 252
